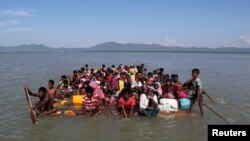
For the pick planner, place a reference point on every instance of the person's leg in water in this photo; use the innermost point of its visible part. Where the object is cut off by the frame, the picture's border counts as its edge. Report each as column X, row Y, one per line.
column 191, row 104
column 200, row 105
column 146, row 112
column 155, row 111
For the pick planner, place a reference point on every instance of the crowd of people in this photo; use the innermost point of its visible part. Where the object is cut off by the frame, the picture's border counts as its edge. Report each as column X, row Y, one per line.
column 129, row 88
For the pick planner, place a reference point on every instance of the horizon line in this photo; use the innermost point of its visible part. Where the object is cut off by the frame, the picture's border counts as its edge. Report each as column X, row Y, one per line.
column 37, row 44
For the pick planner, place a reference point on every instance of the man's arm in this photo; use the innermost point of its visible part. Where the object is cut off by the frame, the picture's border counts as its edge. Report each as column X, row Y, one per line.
column 131, row 111
column 84, row 109
column 59, row 93
column 187, row 82
column 40, row 104
column 155, row 101
column 54, row 109
column 198, row 88
column 199, row 92
column 32, row 94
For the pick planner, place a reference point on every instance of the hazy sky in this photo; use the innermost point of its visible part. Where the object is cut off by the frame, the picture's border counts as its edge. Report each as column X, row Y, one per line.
column 84, row 23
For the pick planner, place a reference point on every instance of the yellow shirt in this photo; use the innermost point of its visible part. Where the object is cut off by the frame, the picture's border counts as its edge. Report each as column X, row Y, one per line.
column 121, row 85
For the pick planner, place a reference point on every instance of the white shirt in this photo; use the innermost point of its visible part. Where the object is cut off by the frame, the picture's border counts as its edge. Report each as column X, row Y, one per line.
column 144, row 100
column 136, row 84
column 194, row 86
column 198, row 82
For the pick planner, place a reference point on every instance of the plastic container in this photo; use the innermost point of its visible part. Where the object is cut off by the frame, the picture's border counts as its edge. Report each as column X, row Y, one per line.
column 77, row 100
column 184, row 103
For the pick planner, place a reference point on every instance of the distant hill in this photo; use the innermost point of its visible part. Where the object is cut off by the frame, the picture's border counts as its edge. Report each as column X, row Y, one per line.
column 26, row 48
column 118, row 47
column 112, row 46
column 37, row 48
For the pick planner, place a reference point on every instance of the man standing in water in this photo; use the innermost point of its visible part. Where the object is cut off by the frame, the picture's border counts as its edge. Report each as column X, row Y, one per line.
column 44, row 105
column 195, row 90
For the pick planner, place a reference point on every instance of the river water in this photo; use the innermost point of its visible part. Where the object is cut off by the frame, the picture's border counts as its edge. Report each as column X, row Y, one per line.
column 225, row 76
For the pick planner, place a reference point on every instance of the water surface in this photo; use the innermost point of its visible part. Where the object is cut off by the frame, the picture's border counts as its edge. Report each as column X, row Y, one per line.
column 225, row 77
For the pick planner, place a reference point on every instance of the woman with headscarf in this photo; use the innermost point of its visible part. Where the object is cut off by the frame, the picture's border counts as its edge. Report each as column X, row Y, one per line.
column 97, row 89
column 158, row 89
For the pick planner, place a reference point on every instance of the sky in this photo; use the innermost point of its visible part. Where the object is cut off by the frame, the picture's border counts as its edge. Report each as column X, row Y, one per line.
column 85, row 23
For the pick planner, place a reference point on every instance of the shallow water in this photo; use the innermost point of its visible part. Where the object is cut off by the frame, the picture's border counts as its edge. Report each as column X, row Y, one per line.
column 224, row 76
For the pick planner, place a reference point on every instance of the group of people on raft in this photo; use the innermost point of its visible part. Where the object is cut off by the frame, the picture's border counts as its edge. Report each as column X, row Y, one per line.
column 131, row 90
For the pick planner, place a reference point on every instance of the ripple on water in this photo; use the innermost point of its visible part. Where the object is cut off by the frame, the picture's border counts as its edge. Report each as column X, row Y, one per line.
column 221, row 100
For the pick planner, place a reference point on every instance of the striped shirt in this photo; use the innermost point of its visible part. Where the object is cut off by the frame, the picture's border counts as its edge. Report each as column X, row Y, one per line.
column 91, row 103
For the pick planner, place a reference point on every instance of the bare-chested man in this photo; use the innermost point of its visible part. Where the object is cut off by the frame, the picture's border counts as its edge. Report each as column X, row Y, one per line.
column 51, row 90
column 44, row 105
